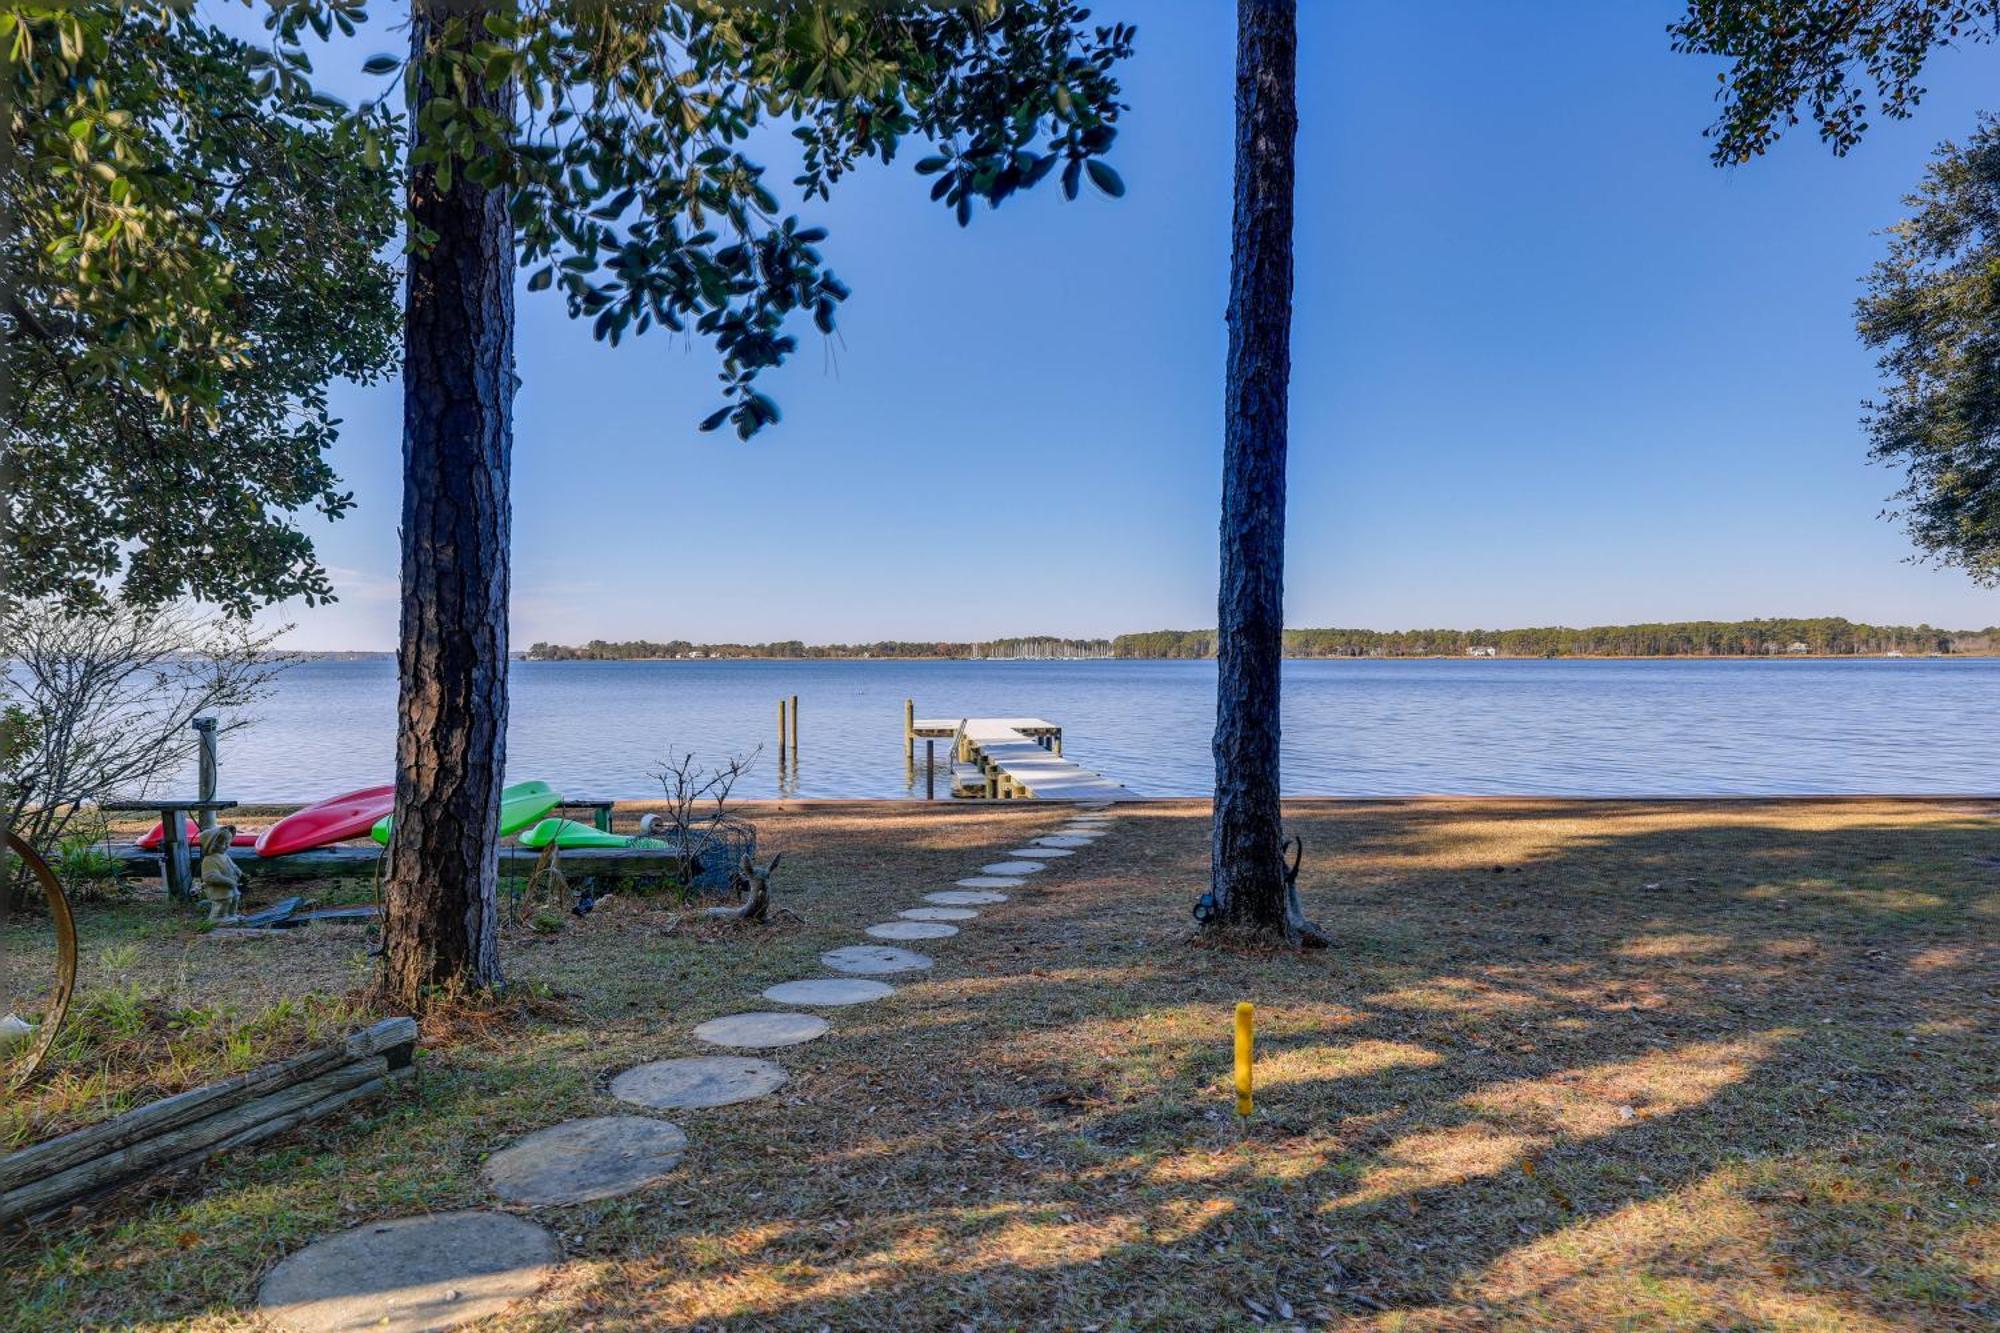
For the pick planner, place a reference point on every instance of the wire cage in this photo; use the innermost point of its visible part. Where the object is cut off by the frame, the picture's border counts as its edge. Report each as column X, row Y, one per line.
column 715, row 850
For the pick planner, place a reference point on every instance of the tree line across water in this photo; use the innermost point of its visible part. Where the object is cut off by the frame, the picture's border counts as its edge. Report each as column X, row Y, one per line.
column 1824, row 636
column 638, row 650
column 1827, row 636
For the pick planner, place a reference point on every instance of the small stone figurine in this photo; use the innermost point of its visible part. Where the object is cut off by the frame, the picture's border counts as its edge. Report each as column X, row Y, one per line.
column 221, row 881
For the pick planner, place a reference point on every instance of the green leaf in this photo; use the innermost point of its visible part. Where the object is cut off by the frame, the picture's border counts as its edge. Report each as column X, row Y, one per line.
column 1105, row 179
column 382, row 64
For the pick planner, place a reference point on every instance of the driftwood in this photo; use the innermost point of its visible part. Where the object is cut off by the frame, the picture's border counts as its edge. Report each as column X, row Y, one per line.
column 754, row 883
column 181, row 1131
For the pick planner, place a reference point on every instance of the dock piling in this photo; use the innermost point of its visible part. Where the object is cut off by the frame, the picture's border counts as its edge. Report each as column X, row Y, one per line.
column 795, row 728
column 781, row 733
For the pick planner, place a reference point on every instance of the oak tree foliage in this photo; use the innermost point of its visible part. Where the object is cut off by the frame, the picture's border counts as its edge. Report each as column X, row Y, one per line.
column 195, row 244
column 627, row 166
column 1932, row 309
column 1822, row 58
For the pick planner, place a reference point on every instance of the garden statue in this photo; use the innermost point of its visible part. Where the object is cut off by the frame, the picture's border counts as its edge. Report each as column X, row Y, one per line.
column 221, row 881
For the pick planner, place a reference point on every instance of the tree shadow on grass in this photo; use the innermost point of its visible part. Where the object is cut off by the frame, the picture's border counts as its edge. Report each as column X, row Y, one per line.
column 1713, row 1065
column 1669, row 1065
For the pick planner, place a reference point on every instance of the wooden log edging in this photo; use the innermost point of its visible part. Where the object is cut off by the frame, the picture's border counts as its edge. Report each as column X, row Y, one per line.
column 183, row 1130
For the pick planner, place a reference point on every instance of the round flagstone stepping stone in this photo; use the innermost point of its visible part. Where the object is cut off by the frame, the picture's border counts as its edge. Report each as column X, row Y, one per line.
column 992, row 882
column 911, row 930
column 829, row 991
column 938, row 914
column 412, row 1273
column 701, row 1080
column 762, row 1030
column 965, row 897
column 1012, row 868
column 873, row 959
column 581, row 1160
column 1065, row 840
column 1038, row 853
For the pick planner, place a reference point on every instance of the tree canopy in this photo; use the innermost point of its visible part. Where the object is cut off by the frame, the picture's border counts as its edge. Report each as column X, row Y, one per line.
column 195, row 245
column 626, row 170
column 1933, row 310
column 1827, row 56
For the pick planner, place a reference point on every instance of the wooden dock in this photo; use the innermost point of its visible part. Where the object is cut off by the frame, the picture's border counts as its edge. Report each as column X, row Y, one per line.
column 1005, row 758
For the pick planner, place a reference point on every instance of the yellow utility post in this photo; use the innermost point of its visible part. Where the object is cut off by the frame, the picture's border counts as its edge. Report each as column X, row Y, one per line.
column 1246, row 1054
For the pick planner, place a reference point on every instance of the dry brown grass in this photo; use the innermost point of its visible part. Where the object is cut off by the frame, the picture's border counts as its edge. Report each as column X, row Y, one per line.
column 1571, row 1065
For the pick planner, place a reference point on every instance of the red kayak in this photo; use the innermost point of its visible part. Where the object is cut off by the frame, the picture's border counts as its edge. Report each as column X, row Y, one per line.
column 151, row 842
column 335, row 819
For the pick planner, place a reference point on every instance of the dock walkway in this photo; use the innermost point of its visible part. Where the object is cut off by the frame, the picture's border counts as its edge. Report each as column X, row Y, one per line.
column 1011, row 757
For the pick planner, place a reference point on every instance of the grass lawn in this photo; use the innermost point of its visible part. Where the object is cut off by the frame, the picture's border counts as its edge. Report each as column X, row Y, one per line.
column 1574, row 1065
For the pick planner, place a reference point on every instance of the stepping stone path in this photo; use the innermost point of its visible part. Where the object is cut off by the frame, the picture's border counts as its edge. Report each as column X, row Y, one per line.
column 453, row 1268
column 409, row 1274
column 699, row 1081
column 829, row 991
column 759, row 1031
column 581, row 1160
column 877, row 959
column 912, row 930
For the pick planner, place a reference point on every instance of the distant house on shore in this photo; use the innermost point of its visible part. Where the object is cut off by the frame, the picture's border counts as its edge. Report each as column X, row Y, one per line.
column 1797, row 647
column 1482, row 650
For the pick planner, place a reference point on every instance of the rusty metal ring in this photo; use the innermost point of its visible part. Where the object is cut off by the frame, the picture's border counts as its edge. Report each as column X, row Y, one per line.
column 65, row 925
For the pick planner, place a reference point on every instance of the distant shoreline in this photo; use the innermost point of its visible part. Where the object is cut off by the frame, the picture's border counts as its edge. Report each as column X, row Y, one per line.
column 1969, row 654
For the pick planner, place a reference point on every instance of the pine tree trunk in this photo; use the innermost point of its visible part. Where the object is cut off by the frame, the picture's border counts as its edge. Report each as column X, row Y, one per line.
column 440, row 927
column 1246, row 859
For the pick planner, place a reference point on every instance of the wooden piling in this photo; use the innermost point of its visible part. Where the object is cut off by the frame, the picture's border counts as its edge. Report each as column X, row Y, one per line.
column 781, row 733
column 205, row 759
column 795, row 726
column 930, row 770
column 910, row 730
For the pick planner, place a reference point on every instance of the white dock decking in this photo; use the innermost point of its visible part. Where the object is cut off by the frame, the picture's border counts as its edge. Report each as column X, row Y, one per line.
column 1005, row 757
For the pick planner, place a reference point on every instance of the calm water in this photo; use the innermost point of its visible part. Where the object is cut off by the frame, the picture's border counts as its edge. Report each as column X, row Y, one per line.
column 1351, row 727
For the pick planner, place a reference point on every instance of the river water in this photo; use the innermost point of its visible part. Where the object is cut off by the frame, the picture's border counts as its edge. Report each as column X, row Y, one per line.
column 1351, row 728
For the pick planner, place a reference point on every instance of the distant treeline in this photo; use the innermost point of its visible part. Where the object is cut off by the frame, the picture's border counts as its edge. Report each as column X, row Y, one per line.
column 1826, row 636
column 597, row 650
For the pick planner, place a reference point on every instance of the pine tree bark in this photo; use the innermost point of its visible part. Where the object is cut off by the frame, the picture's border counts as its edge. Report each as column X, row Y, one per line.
column 440, row 918
column 1247, row 870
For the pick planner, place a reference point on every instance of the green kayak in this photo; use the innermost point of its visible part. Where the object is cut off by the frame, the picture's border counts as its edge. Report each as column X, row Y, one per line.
column 520, row 805
column 569, row 834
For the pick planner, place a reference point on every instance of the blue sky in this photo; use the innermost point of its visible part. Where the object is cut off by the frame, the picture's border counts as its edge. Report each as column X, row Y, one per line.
column 1550, row 366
